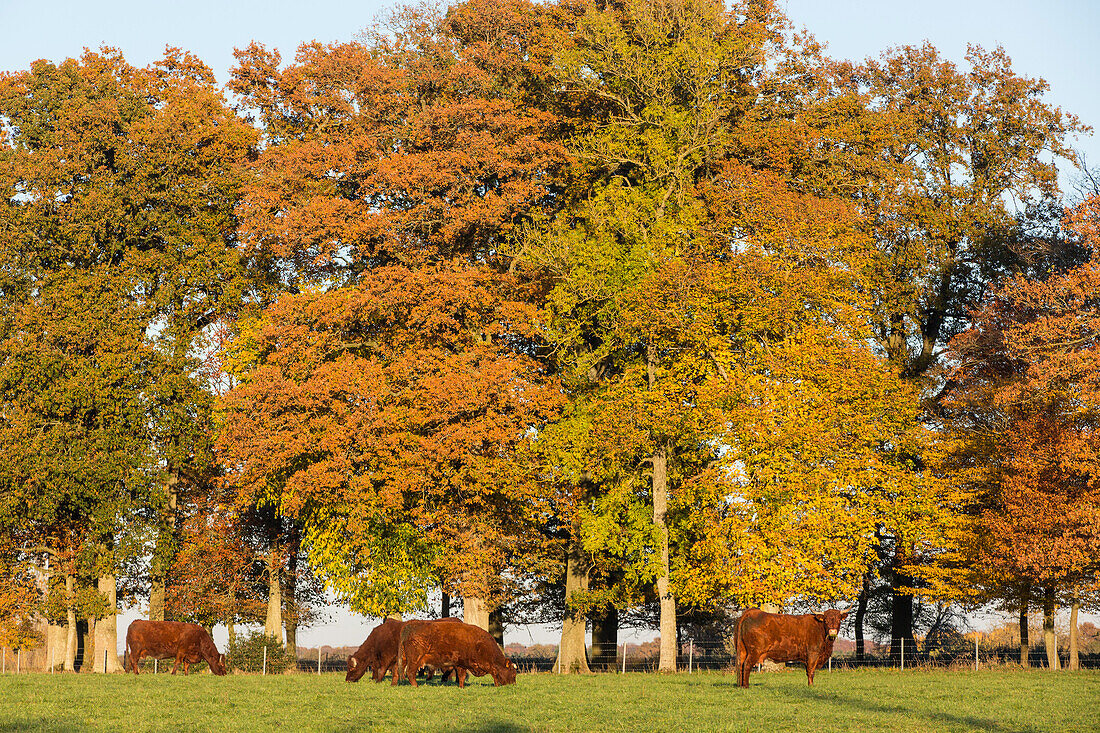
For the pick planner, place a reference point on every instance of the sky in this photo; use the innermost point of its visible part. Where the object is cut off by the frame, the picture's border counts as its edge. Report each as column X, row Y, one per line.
column 1052, row 39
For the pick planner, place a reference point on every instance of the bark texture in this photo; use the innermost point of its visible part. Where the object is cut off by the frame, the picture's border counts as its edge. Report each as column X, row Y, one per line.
column 475, row 611
column 106, row 628
column 273, row 624
column 571, row 652
column 1025, row 642
column 605, row 638
column 667, row 660
column 1075, row 606
column 1050, row 640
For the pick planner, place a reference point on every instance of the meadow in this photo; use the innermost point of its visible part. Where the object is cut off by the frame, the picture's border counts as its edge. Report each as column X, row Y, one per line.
column 1007, row 701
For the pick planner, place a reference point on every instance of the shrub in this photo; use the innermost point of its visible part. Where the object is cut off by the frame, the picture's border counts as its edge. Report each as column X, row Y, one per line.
column 247, row 654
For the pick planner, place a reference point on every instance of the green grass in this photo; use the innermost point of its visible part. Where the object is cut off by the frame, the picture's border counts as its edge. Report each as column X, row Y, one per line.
column 865, row 700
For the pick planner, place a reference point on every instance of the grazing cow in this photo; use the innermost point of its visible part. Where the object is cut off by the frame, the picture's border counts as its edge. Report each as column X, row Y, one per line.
column 379, row 651
column 807, row 638
column 188, row 643
column 464, row 647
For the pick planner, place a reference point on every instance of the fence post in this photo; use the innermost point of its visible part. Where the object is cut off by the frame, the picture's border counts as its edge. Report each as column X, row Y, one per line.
column 903, row 654
column 830, row 663
column 156, row 662
column 691, row 653
column 5, row 660
column 104, row 661
column 318, row 659
column 975, row 652
column 18, row 661
column 624, row 657
column 265, row 659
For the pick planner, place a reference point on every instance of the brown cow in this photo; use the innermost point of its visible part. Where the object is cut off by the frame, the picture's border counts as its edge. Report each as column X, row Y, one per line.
column 188, row 643
column 379, row 651
column 807, row 638
column 462, row 646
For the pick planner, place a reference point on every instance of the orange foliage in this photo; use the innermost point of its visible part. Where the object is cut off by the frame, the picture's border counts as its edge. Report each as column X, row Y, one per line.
column 1028, row 401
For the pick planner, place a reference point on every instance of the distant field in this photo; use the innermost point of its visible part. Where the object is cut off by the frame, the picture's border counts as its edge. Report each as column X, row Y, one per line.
column 864, row 700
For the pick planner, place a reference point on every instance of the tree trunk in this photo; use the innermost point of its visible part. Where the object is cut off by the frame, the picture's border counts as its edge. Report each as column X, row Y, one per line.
column 861, row 614
column 166, row 540
column 571, row 652
column 70, row 625
column 89, row 649
column 56, row 641
column 605, row 638
column 1050, row 641
column 445, row 610
column 1025, row 644
column 901, row 617
column 156, row 599
column 292, row 594
column 475, row 611
column 496, row 626
column 667, row 661
column 106, row 628
column 1074, row 607
column 273, row 624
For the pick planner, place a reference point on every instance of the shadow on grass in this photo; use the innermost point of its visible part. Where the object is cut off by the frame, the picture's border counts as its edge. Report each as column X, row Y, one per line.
column 494, row 726
column 37, row 724
column 970, row 721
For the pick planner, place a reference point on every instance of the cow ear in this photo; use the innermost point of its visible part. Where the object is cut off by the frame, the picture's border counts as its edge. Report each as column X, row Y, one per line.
column 844, row 615
column 351, row 662
column 819, row 617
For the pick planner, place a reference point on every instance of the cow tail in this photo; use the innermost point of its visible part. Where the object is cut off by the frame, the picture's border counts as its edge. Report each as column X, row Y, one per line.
column 740, row 641
column 129, row 659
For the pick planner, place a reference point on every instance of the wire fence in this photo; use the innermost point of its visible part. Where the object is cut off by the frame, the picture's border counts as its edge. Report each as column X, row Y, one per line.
column 973, row 652
column 902, row 654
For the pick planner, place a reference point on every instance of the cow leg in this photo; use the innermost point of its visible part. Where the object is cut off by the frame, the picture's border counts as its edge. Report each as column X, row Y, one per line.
column 176, row 666
column 135, row 661
column 460, row 676
column 412, row 669
column 186, row 667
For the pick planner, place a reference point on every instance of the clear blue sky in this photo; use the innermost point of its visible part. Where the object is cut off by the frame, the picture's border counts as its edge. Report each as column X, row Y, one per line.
column 1053, row 39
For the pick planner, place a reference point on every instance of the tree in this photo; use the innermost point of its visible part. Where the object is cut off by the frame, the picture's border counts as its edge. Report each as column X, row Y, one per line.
column 395, row 382
column 118, row 252
column 1025, row 397
column 959, row 188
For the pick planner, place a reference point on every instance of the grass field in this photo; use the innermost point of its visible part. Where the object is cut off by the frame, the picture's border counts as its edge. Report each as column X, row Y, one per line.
column 865, row 700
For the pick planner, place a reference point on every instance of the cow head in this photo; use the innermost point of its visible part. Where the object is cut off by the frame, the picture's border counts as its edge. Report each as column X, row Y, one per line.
column 831, row 620
column 356, row 669
column 505, row 675
column 217, row 665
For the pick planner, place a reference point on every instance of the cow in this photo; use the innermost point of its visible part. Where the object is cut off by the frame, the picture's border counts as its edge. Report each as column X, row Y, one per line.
column 188, row 643
column 464, row 647
column 806, row 638
column 379, row 651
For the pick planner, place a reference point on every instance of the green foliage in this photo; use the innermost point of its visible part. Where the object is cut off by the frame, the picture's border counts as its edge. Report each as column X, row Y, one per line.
column 247, row 654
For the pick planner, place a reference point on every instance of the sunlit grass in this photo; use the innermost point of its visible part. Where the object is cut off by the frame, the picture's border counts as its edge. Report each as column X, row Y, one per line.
column 865, row 700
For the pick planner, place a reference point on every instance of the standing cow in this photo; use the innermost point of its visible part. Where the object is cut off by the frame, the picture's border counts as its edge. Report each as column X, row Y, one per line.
column 188, row 643
column 462, row 646
column 379, row 652
column 807, row 638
